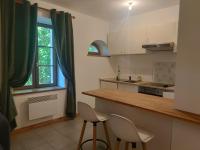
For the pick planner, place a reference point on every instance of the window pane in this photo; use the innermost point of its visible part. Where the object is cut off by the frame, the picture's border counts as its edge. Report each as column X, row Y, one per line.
column 46, row 74
column 92, row 49
column 44, row 36
column 45, row 56
column 30, row 81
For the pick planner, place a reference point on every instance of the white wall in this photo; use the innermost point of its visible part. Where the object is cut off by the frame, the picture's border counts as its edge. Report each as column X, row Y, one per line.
column 143, row 64
column 186, row 135
column 188, row 71
column 88, row 69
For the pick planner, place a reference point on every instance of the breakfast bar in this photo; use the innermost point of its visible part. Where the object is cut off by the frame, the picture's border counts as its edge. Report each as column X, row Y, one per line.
column 156, row 114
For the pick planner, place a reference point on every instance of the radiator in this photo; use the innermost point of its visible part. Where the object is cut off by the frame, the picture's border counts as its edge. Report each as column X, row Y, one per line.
column 42, row 106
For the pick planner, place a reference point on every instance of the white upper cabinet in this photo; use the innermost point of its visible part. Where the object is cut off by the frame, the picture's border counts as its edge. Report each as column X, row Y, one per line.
column 117, row 42
column 160, row 26
column 130, row 40
column 136, row 38
column 162, row 33
column 126, row 41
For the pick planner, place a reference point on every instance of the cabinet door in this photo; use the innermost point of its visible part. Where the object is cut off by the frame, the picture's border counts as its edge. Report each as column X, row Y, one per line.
column 128, row 87
column 137, row 36
column 169, row 95
column 108, row 85
column 162, row 33
column 117, row 42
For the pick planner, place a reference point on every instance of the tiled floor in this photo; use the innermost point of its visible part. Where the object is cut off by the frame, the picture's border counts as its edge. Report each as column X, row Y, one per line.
column 58, row 136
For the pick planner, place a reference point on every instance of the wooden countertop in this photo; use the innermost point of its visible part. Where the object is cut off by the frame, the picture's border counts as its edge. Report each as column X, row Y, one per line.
column 147, row 102
column 140, row 83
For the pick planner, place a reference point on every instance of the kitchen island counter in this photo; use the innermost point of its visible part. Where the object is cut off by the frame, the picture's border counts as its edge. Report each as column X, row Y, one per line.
column 146, row 102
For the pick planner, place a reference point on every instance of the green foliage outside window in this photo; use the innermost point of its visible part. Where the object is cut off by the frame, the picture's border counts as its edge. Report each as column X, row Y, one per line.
column 29, row 82
column 45, row 55
column 92, row 49
column 45, row 64
column 44, row 36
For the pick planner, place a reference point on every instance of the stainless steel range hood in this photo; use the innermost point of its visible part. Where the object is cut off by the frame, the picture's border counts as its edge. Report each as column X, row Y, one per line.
column 159, row 47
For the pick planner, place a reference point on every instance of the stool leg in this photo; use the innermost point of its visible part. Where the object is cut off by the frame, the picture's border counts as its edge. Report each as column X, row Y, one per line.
column 126, row 145
column 82, row 134
column 134, row 145
column 117, row 144
column 94, row 135
column 144, row 146
column 107, row 135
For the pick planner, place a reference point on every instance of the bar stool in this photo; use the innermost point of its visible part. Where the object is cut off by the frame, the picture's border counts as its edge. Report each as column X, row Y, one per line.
column 125, row 129
column 90, row 115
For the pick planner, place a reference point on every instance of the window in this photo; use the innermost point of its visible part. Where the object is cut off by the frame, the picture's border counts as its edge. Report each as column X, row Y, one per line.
column 93, row 49
column 98, row 48
column 45, row 68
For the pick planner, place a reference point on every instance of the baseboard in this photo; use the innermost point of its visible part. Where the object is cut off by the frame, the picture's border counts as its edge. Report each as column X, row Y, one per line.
column 38, row 125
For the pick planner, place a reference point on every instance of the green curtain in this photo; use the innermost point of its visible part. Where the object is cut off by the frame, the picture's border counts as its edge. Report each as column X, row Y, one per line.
column 64, row 43
column 18, row 46
column 23, row 56
column 7, row 106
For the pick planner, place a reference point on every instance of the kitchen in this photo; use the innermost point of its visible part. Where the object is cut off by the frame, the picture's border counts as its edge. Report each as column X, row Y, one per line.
column 144, row 62
column 136, row 60
column 130, row 57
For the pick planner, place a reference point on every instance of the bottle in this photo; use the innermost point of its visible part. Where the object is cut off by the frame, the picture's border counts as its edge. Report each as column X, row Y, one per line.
column 139, row 78
column 129, row 78
column 118, row 73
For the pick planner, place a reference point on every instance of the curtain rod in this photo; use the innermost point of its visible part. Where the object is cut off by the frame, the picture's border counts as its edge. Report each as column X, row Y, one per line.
column 45, row 9
column 20, row 2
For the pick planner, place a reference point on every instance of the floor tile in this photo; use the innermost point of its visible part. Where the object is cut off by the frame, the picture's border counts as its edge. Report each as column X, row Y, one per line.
column 58, row 136
column 45, row 146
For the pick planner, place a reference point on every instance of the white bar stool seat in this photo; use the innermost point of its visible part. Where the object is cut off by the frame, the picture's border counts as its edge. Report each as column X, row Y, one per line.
column 102, row 117
column 125, row 129
column 90, row 115
column 144, row 135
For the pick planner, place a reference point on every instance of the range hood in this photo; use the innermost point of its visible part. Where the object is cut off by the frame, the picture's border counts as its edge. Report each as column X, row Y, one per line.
column 159, row 47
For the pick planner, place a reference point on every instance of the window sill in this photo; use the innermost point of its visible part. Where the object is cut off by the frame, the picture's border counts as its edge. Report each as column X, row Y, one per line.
column 39, row 90
column 93, row 55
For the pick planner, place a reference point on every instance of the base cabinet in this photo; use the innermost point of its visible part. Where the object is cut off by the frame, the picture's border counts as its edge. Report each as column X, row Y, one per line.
column 108, row 85
column 170, row 95
column 185, row 136
column 127, row 87
column 120, row 86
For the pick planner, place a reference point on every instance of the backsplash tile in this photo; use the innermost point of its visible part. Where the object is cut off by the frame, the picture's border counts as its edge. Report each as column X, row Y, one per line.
column 164, row 72
column 140, row 65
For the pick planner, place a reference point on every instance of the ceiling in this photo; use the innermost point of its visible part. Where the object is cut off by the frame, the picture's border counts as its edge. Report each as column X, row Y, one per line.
column 113, row 9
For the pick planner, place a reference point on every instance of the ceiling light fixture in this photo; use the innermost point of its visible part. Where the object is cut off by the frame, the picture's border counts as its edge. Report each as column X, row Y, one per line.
column 130, row 5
